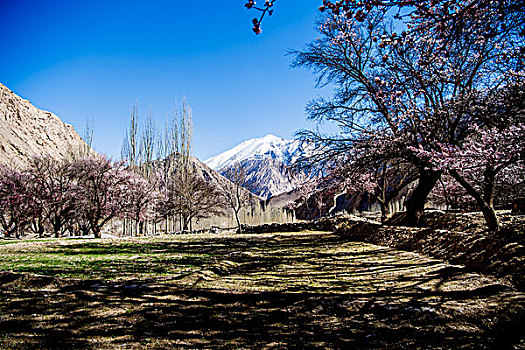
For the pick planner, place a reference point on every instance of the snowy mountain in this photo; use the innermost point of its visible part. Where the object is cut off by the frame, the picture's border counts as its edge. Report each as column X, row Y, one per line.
column 267, row 159
column 267, row 147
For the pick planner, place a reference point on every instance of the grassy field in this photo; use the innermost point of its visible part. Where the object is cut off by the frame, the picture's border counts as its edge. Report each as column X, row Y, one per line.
column 299, row 290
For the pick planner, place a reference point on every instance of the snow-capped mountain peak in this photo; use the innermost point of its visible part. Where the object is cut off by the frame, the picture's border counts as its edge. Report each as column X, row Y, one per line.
column 267, row 147
column 267, row 159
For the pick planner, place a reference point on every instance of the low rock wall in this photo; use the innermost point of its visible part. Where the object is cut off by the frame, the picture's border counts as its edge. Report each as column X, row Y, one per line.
column 483, row 252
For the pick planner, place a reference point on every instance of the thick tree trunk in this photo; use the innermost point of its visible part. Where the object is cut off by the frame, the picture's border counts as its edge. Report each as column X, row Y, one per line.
column 56, row 228
column 490, row 217
column 96, row 230
column 485, row 205
column 415, row 204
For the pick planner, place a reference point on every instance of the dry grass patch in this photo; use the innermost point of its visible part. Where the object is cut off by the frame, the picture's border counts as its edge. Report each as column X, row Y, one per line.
column 293, row 290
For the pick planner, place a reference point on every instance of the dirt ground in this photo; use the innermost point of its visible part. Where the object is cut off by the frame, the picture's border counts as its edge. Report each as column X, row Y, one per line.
column 267, row 291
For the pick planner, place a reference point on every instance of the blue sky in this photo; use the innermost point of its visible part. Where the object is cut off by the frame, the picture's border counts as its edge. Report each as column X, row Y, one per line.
column 91, row 59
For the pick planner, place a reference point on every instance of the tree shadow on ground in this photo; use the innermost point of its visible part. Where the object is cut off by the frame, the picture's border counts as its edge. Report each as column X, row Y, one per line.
column 136, row 314
column 280, row 292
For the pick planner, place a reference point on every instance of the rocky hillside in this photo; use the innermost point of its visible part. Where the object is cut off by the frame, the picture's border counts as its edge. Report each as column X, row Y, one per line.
column 272, row 176
column 26, row 131
column 210, row 175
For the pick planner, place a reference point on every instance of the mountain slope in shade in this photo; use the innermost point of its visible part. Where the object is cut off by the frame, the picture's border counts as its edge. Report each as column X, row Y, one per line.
column 26, row 131
column 272, row 176
column 267, row 159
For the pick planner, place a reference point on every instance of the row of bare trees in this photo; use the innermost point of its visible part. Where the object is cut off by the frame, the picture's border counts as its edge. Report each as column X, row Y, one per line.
column 185, row 193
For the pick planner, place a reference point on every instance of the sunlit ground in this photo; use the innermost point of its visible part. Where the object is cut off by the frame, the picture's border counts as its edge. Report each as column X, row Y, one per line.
column 252, row 291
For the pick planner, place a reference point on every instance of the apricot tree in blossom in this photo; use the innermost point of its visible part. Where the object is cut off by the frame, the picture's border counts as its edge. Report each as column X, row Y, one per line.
column 479, row 160
column 55, row 191
column 401, row 90
column 449, row 193
column 17, row 206
column 384, row 182
column 510, row 185
column 102, row 190
column 139, row 198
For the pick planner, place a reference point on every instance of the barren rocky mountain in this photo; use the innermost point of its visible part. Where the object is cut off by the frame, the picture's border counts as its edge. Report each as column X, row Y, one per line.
column 272, row 176
column 26, row 131
column 267, row 160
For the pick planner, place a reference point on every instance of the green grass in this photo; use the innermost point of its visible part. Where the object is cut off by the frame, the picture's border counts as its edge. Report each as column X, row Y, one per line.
column 101, row 259
column 311, row 262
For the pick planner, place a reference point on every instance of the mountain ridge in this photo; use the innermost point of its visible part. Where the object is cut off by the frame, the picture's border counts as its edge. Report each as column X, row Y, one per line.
column 27, row 131
column 266, row 147
column 267, row 160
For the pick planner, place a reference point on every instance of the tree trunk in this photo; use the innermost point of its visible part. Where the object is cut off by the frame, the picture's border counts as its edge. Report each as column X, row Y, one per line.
column 415, row 204
column 40, row 229
column 489, row 177
column 384, row 210
column 445, row 194
column 185, row 223
column 486, row 208
column 490, row 218
column 56, row 228
column 238, row 221
column 96, row 231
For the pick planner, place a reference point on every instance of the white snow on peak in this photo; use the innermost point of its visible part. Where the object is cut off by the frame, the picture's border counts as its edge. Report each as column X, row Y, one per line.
column 267, row 147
